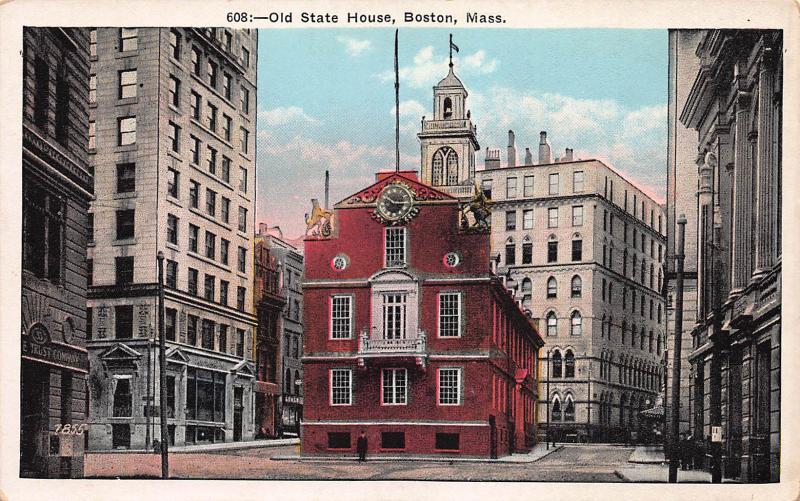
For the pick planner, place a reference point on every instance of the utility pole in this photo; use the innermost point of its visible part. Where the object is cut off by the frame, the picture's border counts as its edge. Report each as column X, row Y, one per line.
column 162, row 361
column 676, row 355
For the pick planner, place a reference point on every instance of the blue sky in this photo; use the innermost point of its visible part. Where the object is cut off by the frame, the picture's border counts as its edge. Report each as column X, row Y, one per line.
column 326, row 100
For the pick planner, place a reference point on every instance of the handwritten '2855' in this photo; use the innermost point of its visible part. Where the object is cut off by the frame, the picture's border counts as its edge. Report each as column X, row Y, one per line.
column 71, row 429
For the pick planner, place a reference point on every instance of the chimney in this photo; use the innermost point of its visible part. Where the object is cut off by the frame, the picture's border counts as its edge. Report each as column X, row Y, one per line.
column 263, row 228
column 327, row 188
column 528, row 157
column 512, row 150
column 544, row 148
column 492, row 160
column 568, row 155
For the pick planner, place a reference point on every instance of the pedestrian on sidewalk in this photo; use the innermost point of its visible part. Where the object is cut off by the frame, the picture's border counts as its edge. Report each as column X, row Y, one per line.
column 361, row 446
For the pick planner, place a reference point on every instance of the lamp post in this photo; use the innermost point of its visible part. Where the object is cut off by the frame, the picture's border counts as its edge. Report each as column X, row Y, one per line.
column 162, row 361
column 547, row 436
column 676, row 354
column 589, row 399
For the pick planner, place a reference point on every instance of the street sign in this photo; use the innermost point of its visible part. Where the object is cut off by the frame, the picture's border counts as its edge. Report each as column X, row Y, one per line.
column 716, row 433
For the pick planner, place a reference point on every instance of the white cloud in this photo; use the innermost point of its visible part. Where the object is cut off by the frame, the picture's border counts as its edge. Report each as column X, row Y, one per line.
column 633, row 141
column 284, row 115
column 478, row 62
column 411, row 108
column 428, row 69
column 353, row 46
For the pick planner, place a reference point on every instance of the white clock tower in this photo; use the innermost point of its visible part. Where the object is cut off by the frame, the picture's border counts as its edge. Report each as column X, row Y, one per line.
column 448, row 141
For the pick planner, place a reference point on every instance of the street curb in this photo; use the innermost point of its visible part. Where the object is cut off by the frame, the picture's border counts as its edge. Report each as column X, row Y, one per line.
column 189, row 449
column 410, row 459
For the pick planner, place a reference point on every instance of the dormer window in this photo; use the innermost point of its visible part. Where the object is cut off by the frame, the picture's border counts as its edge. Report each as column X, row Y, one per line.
column 448, row 108
column 395, row 247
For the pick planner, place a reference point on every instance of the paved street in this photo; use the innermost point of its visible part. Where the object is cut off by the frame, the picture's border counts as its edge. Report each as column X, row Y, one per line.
column 579, row 463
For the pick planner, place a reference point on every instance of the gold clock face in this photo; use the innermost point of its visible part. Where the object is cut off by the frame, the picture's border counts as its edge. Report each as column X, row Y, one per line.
column 395, row 202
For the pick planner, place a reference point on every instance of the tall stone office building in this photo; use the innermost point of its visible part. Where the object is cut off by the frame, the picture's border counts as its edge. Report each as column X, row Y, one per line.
column 172, row 126
column 56, row 188
column 733, row 104
column 583, row 246
column 681, row 200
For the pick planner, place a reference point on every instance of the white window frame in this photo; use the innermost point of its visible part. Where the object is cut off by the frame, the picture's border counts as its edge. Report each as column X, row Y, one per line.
column 578, row 185
column 552, row 188
column 511, row 187
column 348, row 387
column 527, row 188
column 527, row 219
column 332, row 334
column 404, row 247
column 459, row 385
column 577, row 215
column 458, row 314
column 398, row 310
column 397, row 398
column 552, row 222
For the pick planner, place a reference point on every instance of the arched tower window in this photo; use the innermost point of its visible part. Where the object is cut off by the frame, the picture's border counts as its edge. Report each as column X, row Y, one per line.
column 577, row 286
column 552, row 287
column 556, row 364
column 296, row 381
column 527, row 292
column 287, row 383
column 569, row 409
column 445, row 167
column 448, row 108
column 569, row 364
column 556, row 412
column 552, row 324
column 576, row 324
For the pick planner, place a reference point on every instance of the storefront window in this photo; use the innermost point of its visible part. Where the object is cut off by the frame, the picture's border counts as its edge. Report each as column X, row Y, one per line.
column 205, row 395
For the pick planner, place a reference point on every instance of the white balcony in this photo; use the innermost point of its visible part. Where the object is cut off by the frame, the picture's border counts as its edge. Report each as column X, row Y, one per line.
column 378, row 347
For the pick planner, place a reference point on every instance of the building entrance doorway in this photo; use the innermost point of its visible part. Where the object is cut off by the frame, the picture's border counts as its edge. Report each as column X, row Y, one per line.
column 238, row 408
column 33, row 417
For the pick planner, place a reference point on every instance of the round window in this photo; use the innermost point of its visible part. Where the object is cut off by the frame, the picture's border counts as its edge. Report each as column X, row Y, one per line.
column 451, row 259
column 339, row 262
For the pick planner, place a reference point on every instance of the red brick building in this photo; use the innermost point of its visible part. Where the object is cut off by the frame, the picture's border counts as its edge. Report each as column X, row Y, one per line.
column 409, row 335
column 269, row 300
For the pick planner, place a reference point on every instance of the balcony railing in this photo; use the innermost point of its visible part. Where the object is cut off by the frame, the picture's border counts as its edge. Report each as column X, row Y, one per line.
column 379, row 346
column 458, row 190
column 448, row 124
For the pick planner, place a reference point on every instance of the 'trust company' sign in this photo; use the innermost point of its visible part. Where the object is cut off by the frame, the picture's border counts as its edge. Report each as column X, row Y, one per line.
column 37, row 345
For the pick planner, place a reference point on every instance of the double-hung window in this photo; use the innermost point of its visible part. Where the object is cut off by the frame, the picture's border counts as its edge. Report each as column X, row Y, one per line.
column 553, row 185
column 341, row 386
column 450, row 314
column 577, row 181
column 449, row 386
column 395, row 247
column 394, row 387
column 577, row 215
column 527, row 219
column 552, row 217
column 511, row 187
column 528, row 186
column 127, row 84
column 341, row 317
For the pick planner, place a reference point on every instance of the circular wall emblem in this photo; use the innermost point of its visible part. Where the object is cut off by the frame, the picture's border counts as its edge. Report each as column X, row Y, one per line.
column 340, row 262
column 39, row 334
column 451, row 259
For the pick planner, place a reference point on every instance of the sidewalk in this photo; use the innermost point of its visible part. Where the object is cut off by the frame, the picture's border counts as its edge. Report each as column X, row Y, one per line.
column 648, row 454
column 660, row 473
column 538, row 452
